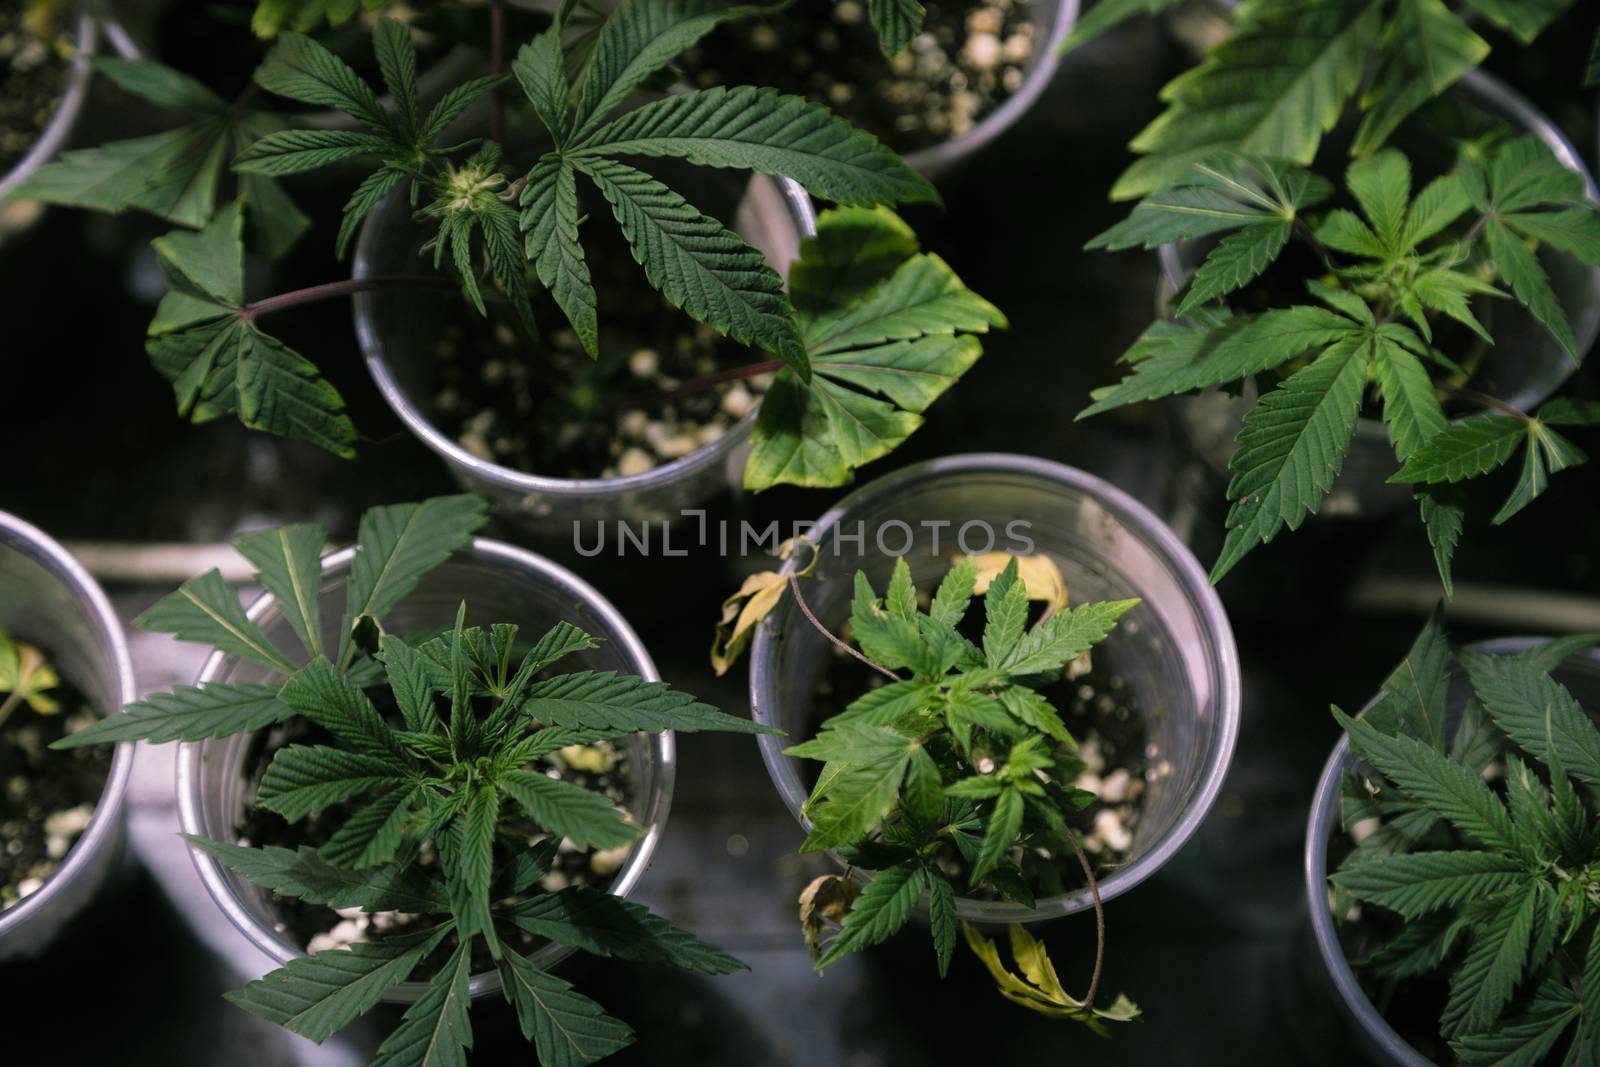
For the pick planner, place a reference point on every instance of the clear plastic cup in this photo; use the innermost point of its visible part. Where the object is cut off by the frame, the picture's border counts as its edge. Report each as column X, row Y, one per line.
column 1580, row 674
column 500, row 583
column 1052, row 22
column 1525, row 366
column 49, row 600
column 396, row 330
column 1175, row 649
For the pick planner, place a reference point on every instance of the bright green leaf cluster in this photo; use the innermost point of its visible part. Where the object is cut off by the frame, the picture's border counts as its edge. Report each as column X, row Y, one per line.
column 1493, row 876
column 455, row 771
column 1395, row 263
column 962, row 751
column 887, row 329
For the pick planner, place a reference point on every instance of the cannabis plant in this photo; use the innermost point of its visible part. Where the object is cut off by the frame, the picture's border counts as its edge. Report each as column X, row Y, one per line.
column 960, row 754
column 25, row 678
column 491, row 223
column 435, row 795
column 1479, row 838
column 1227, row 163
column 1385, row 280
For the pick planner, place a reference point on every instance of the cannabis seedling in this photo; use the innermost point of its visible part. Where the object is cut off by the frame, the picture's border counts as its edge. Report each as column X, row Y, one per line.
column 205, row 338
column 1486, row 848
column 25, row 678
column 1388, row 277
column 964, row 755
column 452, row 773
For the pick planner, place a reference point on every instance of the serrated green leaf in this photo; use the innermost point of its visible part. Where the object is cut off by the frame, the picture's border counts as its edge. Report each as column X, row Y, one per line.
column 373, row 834
column 1484, row 983
column 639, row 38
column 942, row 918
column 549, row 223
column 1000, row 833
column 367, row 196
column 320, row 693
column 1525, row 1039
column 1521, row 270
column 764, row 131
column 1466, row 449
column 1443, row 516
column 1454, row 791
column 436, row 1031
column 881, row 909
column 317, row 996
column 293, row 151
column 1430, row 48
column 302, row 779
column 567, row 1029
column 1238, row 259
column 698, row 264
column 1411, row 405
column 408, row 678
column 609, row 701
column 1005, row 606
column 1108, row 14
column 188, row 713
column 1064, row 636
column 305, row 875
column 1272, row 88
column 397, row 62
column 571, row 811
column 1428, row 881
column 160, row 85
column 397, row 545
column 206, row 610
column 1291, row 448
column 288, row 563
column 1518, row 694
column 1171, row 358
column 605, row 925
column 299, row 68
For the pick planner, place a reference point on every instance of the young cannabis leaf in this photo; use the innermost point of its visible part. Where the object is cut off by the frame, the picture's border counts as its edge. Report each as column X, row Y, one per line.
column 886, row 329
column 1392, row 267
column 1287, row 72
column 403, row 138
column 178, row 174
column 25, row 678
column 963, row 757
column 696, row 262
column 457, row 770
column 1491, row 884
column 397, row 546
column 204, row 340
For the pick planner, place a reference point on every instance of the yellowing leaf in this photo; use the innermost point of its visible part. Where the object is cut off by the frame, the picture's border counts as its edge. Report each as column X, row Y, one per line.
column 828, row 899
column 1038, row 989
column 25, row 676
column 743, row 611
column 1040, row 576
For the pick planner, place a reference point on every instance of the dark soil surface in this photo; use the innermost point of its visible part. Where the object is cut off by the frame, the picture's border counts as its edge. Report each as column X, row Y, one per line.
column 33, row 73
column 546, row 408
column 46, row 797
column 969, row 59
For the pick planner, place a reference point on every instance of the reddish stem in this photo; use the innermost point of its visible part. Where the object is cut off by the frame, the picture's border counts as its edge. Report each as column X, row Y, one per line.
column 329, row 290
column 701, row 384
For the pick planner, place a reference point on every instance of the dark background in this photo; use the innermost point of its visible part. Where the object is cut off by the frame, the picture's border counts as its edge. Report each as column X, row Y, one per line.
column 1213, row 948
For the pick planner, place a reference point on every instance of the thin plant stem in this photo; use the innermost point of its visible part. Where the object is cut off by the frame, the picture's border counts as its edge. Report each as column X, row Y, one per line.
column 329, row 290
column 1491, row 402
column 1099, row 922
column 9, row 706
column 794, row 587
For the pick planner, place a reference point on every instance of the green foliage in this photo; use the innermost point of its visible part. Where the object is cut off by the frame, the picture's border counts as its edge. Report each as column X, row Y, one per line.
column 178, row 174
column 887, row 330
column 964, row 758
column 459, row 770
column 697, row 263
column 1394, row 263
column 25, row 678
column 1491, row 876
column 271, row 17
column 1106, row 15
